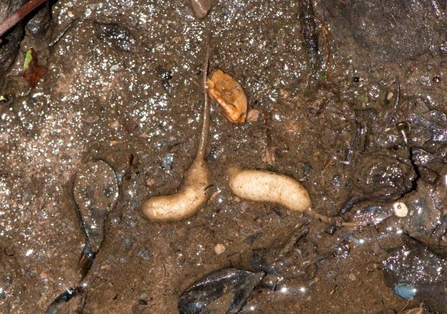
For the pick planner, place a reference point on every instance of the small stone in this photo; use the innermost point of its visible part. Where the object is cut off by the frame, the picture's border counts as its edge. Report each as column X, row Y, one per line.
column 219, row 248
column 115, row 124
column 253, row 115
column 150, row 182
column 200, row 7
column 400, row 209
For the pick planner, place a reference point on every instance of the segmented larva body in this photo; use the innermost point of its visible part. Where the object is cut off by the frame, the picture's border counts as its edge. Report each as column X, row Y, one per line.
column 195, row 191
column 267, row 186
column 192, row 196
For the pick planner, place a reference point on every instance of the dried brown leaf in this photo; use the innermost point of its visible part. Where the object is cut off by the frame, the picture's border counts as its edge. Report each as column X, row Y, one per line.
column 33, row 72
column 229, row 94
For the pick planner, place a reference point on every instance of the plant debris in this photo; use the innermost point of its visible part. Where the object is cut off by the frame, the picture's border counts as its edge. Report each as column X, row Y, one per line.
column 19, row 15
column 31, row 71
column 229, row 94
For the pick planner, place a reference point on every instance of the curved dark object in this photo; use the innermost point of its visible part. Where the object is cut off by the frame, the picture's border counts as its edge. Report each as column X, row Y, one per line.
column 224, row 291
column 95, row 191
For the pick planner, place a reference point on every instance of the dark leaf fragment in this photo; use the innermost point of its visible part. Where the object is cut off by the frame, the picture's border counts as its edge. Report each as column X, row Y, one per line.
column 31, row 71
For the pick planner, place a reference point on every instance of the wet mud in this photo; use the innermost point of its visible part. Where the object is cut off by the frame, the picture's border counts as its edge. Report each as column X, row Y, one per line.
column 348, row 98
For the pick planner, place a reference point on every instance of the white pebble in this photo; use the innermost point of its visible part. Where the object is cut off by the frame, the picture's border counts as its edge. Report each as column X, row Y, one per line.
column 400, row 209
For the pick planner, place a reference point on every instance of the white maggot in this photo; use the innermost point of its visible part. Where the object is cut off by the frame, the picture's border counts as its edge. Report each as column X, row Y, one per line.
column 267, row 186
column 187, row 201
column 195, row 191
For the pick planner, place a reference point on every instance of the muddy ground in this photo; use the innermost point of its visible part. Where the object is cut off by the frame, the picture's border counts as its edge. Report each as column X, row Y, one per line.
column 330, row 116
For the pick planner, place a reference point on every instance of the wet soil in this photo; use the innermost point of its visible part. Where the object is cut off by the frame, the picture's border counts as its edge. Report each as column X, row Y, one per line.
column 123, row 85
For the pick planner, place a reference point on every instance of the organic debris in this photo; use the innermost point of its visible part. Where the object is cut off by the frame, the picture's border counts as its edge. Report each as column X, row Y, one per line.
column 31, row 71
column 224, row 291
column 95, row 191
column 19, row 15
column 229, row 94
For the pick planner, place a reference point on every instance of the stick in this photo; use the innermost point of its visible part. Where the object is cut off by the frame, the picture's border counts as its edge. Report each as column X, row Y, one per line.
column 203, row 139
column 18, row 15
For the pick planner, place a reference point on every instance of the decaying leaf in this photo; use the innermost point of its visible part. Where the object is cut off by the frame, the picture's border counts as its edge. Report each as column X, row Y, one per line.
column 229, row 94
column 31, row 71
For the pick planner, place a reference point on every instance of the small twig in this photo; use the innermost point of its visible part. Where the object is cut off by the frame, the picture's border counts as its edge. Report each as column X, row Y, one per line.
column 54, row 42
column 19, row 15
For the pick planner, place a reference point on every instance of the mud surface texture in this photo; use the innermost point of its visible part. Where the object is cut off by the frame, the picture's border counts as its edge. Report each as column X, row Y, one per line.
column 347, row 97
